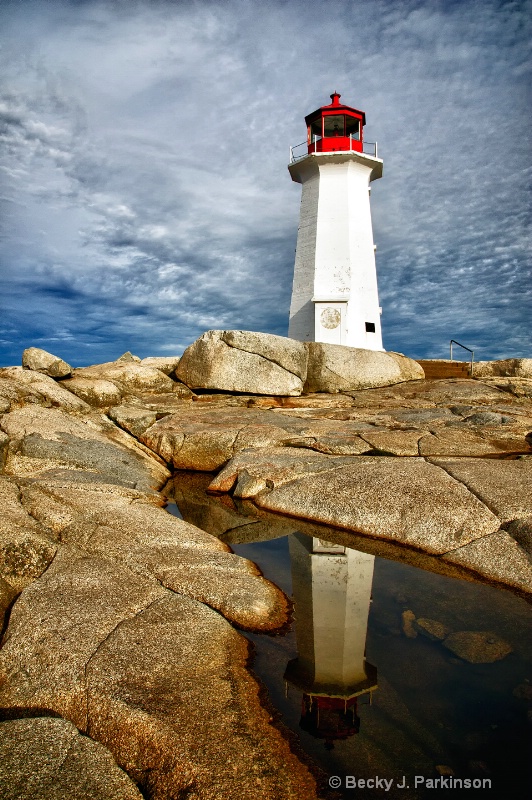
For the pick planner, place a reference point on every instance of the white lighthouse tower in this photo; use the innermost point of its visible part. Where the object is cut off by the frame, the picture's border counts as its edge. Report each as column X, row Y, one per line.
column 334, row 295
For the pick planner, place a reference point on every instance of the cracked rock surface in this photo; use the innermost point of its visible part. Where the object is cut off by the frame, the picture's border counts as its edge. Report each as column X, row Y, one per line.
column 123, row 620
column 120, row 618
column 48, row 759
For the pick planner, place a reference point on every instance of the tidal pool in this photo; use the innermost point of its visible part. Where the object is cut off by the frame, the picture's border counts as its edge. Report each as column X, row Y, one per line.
column 392, row 677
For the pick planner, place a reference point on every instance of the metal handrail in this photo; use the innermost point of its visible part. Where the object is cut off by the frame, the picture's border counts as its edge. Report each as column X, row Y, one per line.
column 453, row 341
column 369, row 148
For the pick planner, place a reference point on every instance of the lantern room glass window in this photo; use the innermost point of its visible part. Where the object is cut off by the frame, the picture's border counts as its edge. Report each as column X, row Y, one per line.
column 352, row 127
column 315, row 130
column 333, row 125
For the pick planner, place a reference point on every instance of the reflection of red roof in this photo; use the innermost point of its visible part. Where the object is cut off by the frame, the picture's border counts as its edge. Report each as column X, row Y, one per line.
column 329, row 718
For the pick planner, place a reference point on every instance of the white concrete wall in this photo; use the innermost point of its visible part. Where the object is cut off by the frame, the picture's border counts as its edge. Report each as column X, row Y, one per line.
column 301, row 324
column 335, row 256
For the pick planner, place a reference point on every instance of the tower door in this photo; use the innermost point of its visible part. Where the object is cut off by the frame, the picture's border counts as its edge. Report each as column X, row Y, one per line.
column 330, row 322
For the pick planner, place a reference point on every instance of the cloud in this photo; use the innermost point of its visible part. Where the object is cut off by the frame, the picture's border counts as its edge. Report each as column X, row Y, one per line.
column 144, row 184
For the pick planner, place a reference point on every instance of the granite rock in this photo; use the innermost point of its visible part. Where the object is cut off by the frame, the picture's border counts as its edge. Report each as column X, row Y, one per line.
column 521, row 531
column 335, row 368
column 133, row 419
column 498, row 558
column 504, row 486
column 48, row 759
column 126, row 528
column 128, row 376
column 156, row 677
column 26, row 546
column 432, row 629
column 508, row 367
column 242, row 361
column 166, row 364
column 48, row 439
column 95, row 392
column 42, row 386
column 402, row 499
column 41, row 361
column 477, row 647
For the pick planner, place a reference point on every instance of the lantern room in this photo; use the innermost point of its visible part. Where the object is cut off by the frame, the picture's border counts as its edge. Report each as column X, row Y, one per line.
column 335, row 127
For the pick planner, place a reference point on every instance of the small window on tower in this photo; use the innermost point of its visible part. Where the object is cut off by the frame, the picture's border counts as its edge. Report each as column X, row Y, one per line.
column 352, row 127
column 370, row 327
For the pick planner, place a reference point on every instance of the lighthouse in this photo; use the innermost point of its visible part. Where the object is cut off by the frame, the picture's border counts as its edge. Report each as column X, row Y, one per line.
column 335, row 296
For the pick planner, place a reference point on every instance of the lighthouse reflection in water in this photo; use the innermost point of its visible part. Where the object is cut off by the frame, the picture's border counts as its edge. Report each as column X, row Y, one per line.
column 332, row 595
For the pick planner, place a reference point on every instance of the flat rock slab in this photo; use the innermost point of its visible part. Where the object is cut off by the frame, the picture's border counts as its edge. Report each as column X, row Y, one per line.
column 153, row 543
column 49, row 759
column 156, row 677
column 453, row 442
column 42, row 438
column 202, row 438
column 505, row 486
column 433, row 393
column 272, row 467
column 402, row 499
column 205, row 439
column 497, row 558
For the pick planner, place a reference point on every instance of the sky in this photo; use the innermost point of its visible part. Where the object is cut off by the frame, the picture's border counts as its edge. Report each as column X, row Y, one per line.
column 144, row 190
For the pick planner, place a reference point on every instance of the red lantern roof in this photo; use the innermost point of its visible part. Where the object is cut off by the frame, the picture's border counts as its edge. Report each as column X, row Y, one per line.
column 335, row 127
column 334, row 107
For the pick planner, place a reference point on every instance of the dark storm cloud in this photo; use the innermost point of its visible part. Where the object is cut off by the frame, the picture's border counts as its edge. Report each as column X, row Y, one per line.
column 143, row 163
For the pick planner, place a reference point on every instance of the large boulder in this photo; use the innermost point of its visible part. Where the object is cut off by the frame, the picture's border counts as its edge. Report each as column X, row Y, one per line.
column 508, row 367
column 335, row 368
column 41, row 361
column 26, row 386
column 49, row 759
column 243, row 361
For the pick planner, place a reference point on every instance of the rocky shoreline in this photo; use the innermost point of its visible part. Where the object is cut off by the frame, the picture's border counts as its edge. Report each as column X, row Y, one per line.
column 123, row 620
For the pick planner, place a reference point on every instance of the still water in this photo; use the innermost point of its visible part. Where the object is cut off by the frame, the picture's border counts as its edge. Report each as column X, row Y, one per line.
column 365, row 676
